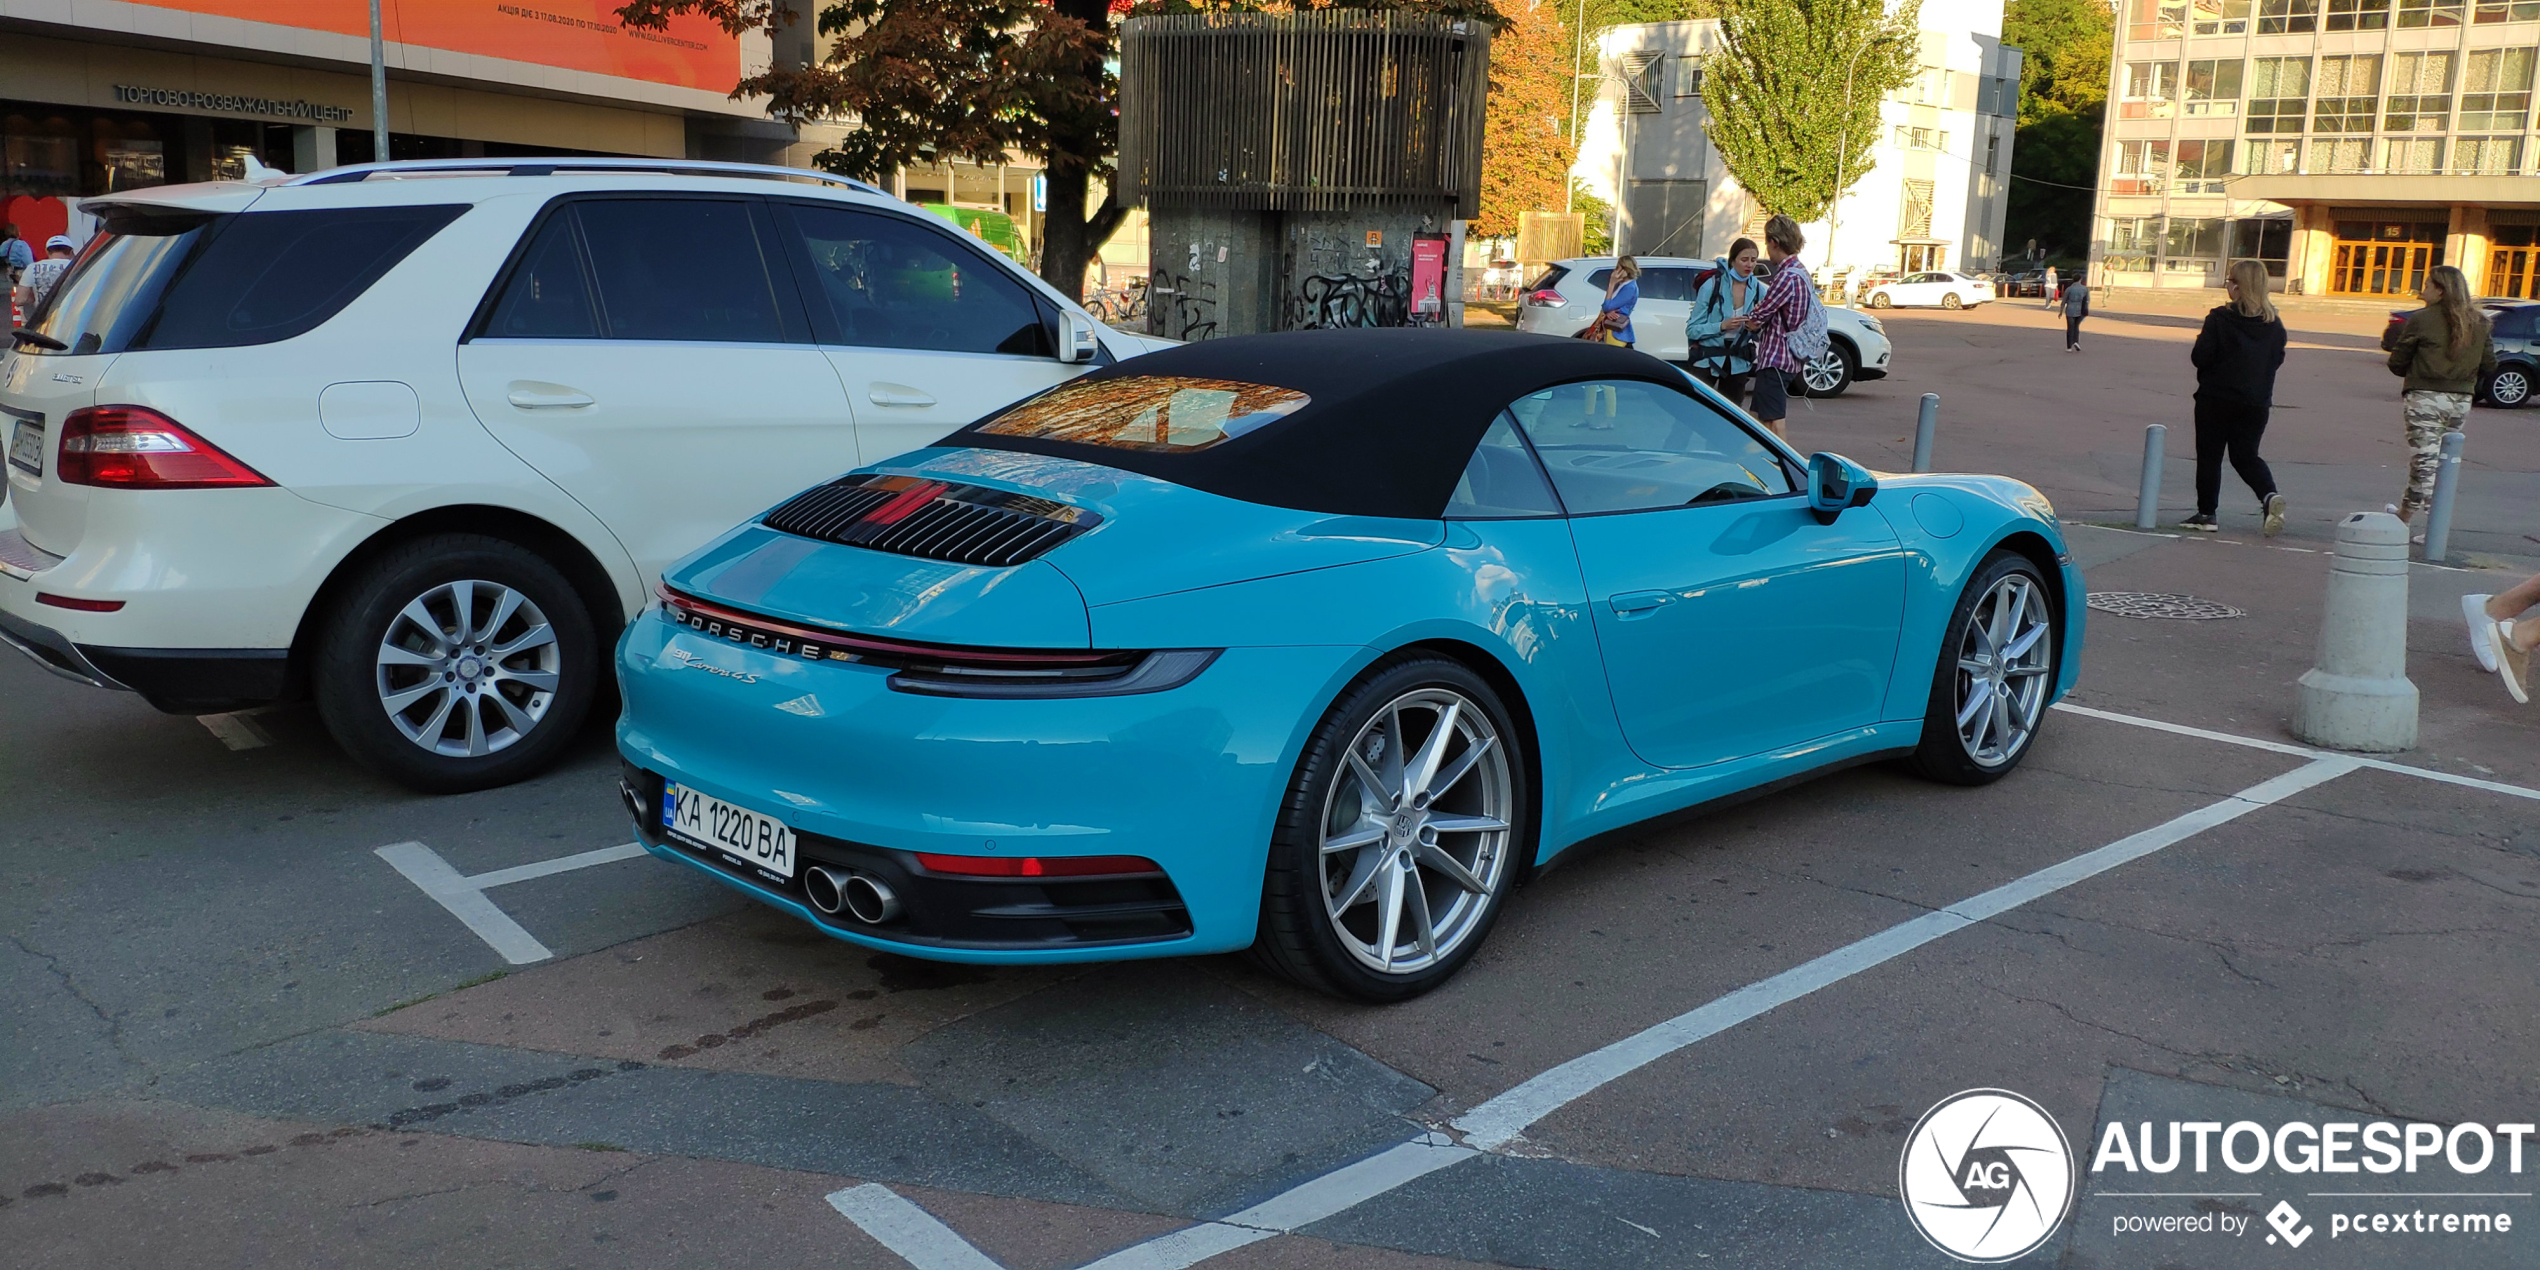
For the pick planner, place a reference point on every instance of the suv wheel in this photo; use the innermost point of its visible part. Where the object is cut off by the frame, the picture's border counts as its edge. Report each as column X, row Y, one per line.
column 1830, row 372
column 2511, row 388
column 457, row 662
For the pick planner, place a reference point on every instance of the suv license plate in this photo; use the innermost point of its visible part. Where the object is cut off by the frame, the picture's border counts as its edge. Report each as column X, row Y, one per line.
column 711, row 822
column 26, row 448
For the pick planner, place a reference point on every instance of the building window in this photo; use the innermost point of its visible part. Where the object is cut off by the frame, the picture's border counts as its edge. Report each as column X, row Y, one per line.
column 1993, row 155
column 1921, row 138
column 2221, row 17
column 2287, row 17
column 2487, row 156
column 1929, row 87
column 2279, row 94
column 2143, row 167
column 2342, row 157
column 2270, row 158
column 2203, row 166
column 2213, row 87
column 1914, row 219
column 2192, row 244
column 2420, row 92
column 1689, row 76
column 2358, row 15
column 2429, row 13
column 2268, row 240
column 2132, row 243
column 2156, row 19
column 1641, row 75
column 2502, row 11
column 2348, row 87
column 2496, row 89
column 2413, row 154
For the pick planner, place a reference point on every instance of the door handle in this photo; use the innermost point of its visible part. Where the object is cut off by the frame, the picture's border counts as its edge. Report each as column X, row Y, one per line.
column 553, row 398
column 1632, row 603
column 897, row 395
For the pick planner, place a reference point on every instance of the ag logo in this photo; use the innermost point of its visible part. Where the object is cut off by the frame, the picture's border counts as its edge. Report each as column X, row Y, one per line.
column 1986, row 1175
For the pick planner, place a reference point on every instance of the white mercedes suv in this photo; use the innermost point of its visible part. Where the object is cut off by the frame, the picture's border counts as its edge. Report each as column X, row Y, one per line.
column 416, row 439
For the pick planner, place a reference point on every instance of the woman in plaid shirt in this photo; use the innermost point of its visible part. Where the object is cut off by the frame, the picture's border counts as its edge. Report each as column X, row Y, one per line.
column 1783, row 308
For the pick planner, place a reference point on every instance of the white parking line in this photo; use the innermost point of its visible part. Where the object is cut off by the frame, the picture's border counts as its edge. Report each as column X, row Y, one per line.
column 2286, row 747
column 908, row 1230
column 464, row 896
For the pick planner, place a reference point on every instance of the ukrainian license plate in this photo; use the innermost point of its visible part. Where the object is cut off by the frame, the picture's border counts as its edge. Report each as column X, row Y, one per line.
column 26, row 447
column 711, row 822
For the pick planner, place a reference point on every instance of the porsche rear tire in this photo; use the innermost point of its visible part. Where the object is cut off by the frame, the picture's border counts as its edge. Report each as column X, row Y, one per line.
column 1996, row 673
column 1405, row 825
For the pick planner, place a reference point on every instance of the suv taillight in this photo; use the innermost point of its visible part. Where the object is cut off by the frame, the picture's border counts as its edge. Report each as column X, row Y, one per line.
column 133, row 447
column 1547, row 299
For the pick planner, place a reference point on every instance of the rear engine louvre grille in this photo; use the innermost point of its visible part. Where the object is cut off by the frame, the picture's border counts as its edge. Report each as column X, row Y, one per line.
column 934, row 520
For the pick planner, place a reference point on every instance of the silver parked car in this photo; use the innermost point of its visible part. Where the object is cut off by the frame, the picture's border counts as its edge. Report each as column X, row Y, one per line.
column 1563, row 300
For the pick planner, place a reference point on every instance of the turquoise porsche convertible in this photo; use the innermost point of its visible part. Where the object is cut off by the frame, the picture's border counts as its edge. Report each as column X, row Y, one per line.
column 1313, row 644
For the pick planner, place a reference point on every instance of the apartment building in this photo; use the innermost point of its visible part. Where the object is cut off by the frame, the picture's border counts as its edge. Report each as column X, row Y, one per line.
column 1933, row 197
column 2349, row 144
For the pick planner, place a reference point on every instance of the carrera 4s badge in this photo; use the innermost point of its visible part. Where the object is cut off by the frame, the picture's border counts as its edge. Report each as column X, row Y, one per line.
column 691, row 661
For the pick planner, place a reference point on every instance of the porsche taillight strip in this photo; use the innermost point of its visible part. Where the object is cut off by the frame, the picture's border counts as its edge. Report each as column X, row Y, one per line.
column 933, row 520
column 812, row 644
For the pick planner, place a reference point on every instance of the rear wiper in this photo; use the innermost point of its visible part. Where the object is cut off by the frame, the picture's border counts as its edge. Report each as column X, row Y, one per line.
column 28, row 335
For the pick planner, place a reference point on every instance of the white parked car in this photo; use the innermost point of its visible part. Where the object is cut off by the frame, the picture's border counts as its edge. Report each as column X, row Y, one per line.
column 1563, row 300
column 418, row 448
column 1935, row 287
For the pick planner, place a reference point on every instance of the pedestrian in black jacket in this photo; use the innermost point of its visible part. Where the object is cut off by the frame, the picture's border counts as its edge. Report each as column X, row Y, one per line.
column 2236, row 357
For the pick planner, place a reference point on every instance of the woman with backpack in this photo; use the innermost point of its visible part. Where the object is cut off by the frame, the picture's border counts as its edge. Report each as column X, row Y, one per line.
column 2236, row 357
column 2443, row 350
column 1786, row 309
column 1719, row 336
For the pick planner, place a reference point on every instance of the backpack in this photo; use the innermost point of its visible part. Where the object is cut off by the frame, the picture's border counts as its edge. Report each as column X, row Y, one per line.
column 1808, row 339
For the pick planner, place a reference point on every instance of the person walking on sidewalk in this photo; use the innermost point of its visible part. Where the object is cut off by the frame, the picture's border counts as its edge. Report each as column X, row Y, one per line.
column 2501, row 638
column 1719, row 334
column 2442, row 351
column 2049, row 289
column 2236, row 357
column 2076, row 307
column 1789, row 304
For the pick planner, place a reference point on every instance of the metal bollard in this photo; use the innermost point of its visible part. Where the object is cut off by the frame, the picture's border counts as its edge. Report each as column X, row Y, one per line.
column 2147, row 501
column 1924, row 425
column 2358, row 696
column 2438, row 514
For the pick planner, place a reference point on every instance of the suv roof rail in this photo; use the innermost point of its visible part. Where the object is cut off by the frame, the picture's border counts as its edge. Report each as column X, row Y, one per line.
column 550, row 165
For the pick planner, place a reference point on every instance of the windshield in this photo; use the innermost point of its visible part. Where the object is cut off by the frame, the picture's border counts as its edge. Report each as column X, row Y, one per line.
column 110, row 293
column 1147, row 412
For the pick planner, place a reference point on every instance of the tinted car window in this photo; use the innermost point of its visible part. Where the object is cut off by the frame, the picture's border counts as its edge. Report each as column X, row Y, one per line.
column 266, row 276
column 890, row 282
column 547, row 296
column 1666, row 284
column 1626, row 445
column 1503, row 480
column 112, row 291
column 2516, row 324
column 680, row 269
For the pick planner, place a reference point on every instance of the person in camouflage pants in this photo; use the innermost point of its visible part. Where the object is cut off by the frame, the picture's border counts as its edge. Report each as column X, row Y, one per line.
column 2429, row 415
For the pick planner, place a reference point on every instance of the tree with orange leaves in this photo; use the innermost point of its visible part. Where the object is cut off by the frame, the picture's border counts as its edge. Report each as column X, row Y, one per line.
column 1526, row 151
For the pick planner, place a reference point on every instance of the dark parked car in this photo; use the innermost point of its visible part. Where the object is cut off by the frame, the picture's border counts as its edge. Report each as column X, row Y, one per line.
column 2029, row 282
column 2517, row 344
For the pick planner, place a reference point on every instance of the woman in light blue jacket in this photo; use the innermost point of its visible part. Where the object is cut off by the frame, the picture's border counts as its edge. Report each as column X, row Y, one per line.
column 1719, row 337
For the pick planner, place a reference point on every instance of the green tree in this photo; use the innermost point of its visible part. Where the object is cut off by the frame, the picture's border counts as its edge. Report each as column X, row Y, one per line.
column 927, row 80
column 1776, row 88
column 2063, row 104
column 1526, row 149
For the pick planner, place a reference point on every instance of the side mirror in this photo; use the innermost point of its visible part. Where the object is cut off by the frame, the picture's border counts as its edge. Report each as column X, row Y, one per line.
column 1835, row 483
column 1077, row 339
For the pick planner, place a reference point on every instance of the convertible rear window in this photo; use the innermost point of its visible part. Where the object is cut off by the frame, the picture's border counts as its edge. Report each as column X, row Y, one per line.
column 1168, row 414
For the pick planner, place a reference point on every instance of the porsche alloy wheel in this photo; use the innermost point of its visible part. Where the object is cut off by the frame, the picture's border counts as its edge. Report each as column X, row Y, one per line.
column 1401, row 835
column 1996, row 673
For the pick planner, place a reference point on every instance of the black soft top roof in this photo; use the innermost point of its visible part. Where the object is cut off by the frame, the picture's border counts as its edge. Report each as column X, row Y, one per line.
column 1393, row 419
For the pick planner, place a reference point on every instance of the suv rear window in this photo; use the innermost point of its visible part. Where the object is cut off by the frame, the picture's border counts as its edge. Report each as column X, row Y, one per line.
column 228, row 281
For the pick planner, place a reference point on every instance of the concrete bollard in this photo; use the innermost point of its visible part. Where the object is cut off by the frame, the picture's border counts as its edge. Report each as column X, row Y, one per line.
column 2147, row 500
column 2358, row 696
column 2438, row 514
column 1925, row 424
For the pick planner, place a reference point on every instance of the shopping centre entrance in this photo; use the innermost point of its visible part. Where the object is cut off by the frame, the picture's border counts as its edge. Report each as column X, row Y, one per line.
column 2384, row 257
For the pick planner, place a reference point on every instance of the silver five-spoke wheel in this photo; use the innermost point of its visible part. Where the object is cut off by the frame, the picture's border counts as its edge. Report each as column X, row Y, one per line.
column 1415, row 832
column 2005, row 652
column 468, row 668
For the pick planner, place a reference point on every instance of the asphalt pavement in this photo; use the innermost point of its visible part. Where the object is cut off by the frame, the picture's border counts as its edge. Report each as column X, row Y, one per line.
column 240, row 1035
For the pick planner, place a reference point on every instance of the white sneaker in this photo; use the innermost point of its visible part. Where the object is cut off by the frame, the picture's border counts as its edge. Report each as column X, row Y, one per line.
column 2482, row 631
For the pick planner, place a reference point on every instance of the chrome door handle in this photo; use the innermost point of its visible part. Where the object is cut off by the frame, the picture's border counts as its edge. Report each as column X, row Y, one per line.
column 1631, row 602
column 896, row 395
column 528, row 400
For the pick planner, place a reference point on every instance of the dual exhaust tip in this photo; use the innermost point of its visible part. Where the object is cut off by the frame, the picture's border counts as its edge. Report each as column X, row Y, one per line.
column 860, row 897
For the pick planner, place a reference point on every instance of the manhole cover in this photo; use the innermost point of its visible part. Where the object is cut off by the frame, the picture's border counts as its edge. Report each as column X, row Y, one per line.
column 2147, row 604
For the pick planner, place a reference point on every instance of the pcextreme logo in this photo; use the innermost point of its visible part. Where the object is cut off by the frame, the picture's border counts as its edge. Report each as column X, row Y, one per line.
column 1987, row 1176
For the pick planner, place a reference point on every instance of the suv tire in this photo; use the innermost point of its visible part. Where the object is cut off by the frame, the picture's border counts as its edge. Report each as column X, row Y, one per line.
column 457, row 662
